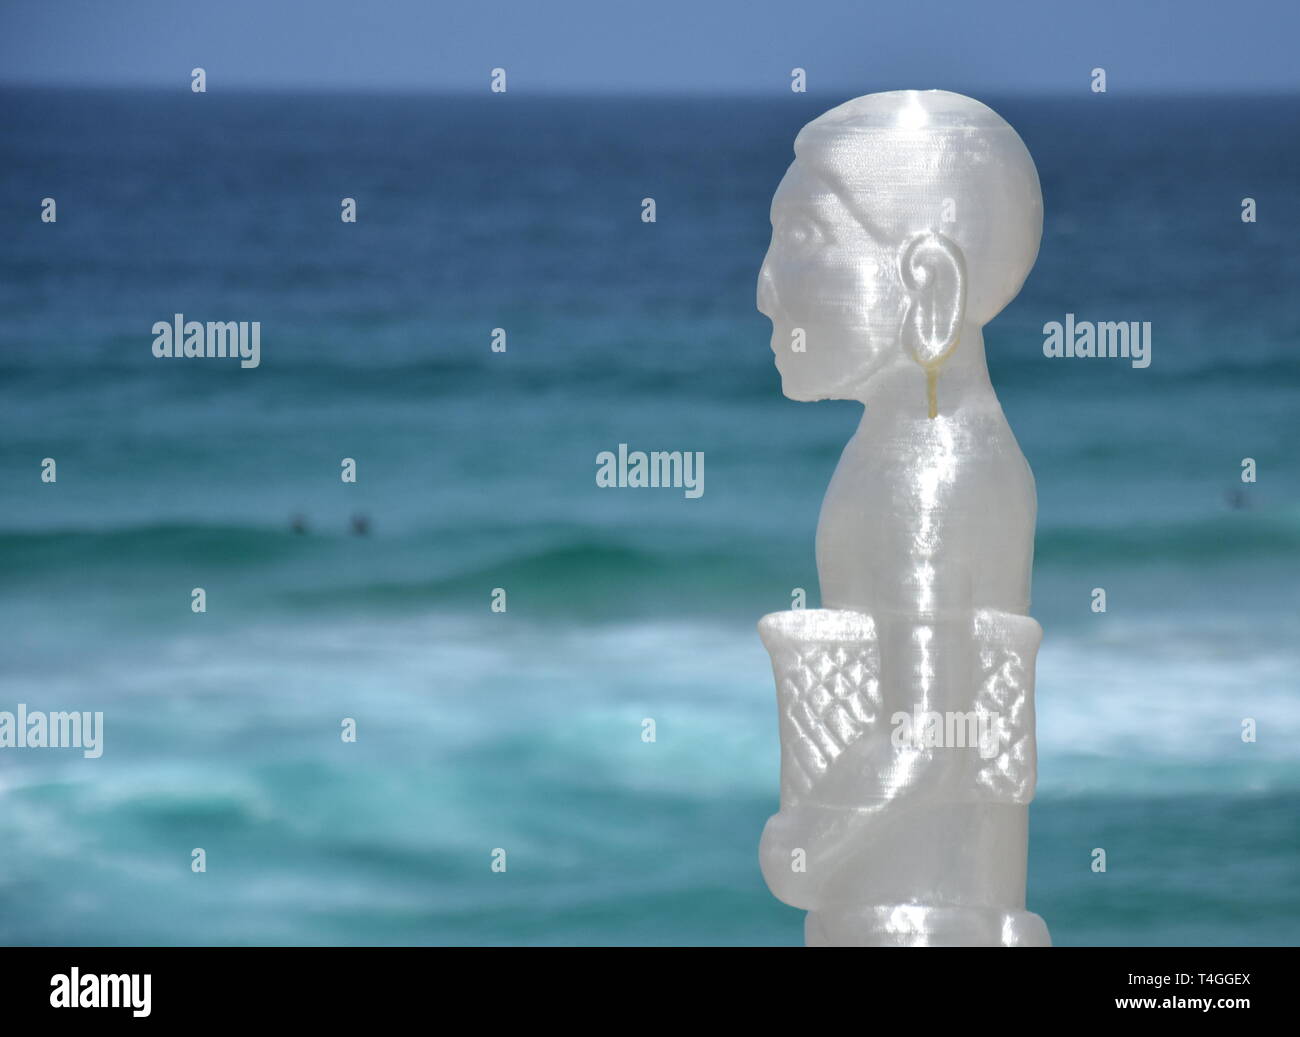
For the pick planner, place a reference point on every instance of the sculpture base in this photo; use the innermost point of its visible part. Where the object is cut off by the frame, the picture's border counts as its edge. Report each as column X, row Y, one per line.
column 915, row 925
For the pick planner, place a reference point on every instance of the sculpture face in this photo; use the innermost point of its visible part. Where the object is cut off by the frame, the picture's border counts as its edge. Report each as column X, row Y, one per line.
column 824, row 275
column 869, row 179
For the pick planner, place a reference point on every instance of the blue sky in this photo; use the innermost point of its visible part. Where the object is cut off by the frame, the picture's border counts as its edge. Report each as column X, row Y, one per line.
column 660, row 46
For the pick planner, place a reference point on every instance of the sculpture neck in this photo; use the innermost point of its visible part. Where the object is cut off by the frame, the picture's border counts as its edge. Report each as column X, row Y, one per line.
column 928, row 516
column 906, row 391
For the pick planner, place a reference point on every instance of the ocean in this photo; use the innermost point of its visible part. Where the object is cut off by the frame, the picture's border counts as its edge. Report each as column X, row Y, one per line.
column 521, row 731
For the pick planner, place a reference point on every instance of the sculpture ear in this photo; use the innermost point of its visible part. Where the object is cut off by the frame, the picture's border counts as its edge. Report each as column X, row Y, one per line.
column 934, row 273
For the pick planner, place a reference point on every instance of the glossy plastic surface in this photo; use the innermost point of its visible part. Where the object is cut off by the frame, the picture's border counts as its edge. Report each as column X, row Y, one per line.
column 907, row 221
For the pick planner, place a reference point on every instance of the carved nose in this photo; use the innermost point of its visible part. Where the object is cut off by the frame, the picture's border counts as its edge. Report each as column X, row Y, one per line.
column 767, row 300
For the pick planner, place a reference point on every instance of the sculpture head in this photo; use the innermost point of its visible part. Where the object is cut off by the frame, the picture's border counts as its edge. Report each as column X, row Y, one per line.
column 904, row 217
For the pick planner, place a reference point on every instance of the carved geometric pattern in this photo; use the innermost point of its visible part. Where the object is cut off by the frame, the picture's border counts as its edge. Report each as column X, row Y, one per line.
column 827, row 668
column 1007, row 646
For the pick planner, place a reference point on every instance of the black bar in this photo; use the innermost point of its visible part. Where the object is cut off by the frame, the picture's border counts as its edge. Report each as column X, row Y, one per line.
column 460, row 988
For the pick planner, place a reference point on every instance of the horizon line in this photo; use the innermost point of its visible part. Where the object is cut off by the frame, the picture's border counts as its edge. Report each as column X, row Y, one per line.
column 631, row 93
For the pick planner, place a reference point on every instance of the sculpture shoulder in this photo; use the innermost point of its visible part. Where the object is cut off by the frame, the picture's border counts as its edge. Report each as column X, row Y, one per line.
column 991, row 628
column 994, row 628
column 816, row 625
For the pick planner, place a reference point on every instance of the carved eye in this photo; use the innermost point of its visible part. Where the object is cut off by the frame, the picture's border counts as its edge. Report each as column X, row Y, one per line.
column 805, row 233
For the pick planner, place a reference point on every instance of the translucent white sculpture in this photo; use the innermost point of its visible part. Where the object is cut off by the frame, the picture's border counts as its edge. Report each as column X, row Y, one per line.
column 907, row 221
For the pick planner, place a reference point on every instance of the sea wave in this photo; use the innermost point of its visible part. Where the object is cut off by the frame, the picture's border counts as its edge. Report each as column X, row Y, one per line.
column 571, row 554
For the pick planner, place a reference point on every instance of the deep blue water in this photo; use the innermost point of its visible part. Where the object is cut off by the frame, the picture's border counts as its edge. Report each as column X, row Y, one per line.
column 522, row 730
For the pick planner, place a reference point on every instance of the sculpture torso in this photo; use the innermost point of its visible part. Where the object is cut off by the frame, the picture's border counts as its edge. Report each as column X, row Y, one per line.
column 952, row 494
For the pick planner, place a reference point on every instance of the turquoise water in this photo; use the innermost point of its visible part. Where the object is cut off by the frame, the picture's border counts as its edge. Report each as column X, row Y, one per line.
column 522, row 730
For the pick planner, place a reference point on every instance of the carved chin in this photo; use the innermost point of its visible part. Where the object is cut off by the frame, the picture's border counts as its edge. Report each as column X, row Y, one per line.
column 810, row 385
column 799, row 394
column 808, row 390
